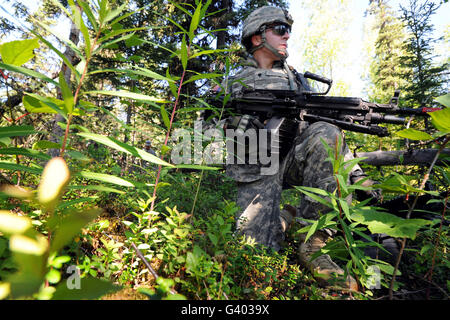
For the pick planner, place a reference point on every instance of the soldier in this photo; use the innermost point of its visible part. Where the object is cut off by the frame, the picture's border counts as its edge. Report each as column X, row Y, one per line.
column 264, row 35
column 148, row 147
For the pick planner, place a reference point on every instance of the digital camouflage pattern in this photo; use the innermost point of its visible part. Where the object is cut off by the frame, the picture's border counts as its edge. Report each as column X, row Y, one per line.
column 305, row 165
column 253, row 78
column 264, row 16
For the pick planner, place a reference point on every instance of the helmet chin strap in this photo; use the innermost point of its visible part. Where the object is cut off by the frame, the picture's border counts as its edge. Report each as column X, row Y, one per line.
column 281, row 54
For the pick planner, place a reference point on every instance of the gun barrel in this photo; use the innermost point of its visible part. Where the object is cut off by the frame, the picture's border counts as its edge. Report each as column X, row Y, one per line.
column 394, row 119
column 414, row 111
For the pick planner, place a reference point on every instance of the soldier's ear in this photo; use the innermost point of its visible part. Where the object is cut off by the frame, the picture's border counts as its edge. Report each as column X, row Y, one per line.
column 256, row 40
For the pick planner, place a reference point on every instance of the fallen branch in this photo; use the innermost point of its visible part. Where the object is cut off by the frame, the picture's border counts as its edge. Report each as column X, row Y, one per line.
column 402, row 157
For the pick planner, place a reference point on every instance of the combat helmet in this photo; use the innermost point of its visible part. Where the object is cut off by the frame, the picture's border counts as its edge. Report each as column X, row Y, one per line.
column 258, row 20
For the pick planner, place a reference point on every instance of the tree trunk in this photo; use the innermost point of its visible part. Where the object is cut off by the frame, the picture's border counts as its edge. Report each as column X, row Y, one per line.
column 223, row 24
column 57, row 131
column 393, row 158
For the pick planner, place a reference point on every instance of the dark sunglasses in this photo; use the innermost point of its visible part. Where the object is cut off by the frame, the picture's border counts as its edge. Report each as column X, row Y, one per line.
column 280, row 29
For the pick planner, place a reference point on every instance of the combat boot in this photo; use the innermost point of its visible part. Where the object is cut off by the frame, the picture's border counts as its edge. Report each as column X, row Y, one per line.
column 287, row 216
column 323, row 266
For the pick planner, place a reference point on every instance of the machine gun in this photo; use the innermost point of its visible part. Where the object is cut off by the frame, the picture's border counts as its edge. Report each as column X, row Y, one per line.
column 348, row 113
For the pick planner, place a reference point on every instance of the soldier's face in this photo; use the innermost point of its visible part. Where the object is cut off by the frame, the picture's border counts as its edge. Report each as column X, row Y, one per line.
column 277, row 41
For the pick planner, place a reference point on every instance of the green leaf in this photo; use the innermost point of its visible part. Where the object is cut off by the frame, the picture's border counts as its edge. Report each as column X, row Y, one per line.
column 106, row 178
column 213, row 238
column 203, row 76
column 87, row 10
column 306, row 190
column 388, row 269
column 37, row 104
column 114, row 13
column 159, row 46
column 70, row 203
column 5, row 141
column 133, row 42
column 200, row 53
column 54, row 179
column 194, row 22
column 18, row 167
column 414, row 134
column 90, row 288
column 28, row 72
column 16, row 192
column 342, row 183
column 397, row 184
column 382, row 222
column 150, row 74
column 123, row 147
column 26, row 152
column 76, row 155
column 70, row 226
column 173, row 87
column 28, row 245
column 97, row 188
column 174, row 23
column 112, row 44
column 44, row 144
column 77, row 18
column 66, row 93
column 18, row 52
column 444, row 100
column 345, row 207
column 441, row 120
column 129, row 95
column 29, row 254
column 165, row 117
column 57, row 262
column 4, row 290
column 138, row 71
column 184, row 53
column 312, row 230
column 196, row 167
column 13, row 224
column 53, row 276
column 103, row 10
column 16, row 131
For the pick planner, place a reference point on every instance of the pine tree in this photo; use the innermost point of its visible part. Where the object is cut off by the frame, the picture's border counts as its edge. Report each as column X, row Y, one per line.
column 386, row 73
column 425, row 79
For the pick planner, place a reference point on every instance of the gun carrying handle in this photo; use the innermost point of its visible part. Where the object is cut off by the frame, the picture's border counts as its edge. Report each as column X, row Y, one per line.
column 313, row 76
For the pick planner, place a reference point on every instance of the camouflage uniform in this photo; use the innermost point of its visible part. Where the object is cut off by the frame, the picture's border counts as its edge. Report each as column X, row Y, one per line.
column 304, row 165
column 302, row 155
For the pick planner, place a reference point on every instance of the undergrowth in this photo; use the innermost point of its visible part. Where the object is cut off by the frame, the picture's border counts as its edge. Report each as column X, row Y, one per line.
column 168, row 232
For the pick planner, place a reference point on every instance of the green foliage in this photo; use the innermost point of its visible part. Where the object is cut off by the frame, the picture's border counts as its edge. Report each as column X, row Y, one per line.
column 150, row 65
column 440, row 120
column 386, row 74
column 34, row 255
column 18, row 52
column 356, row 220
column 426, row 80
